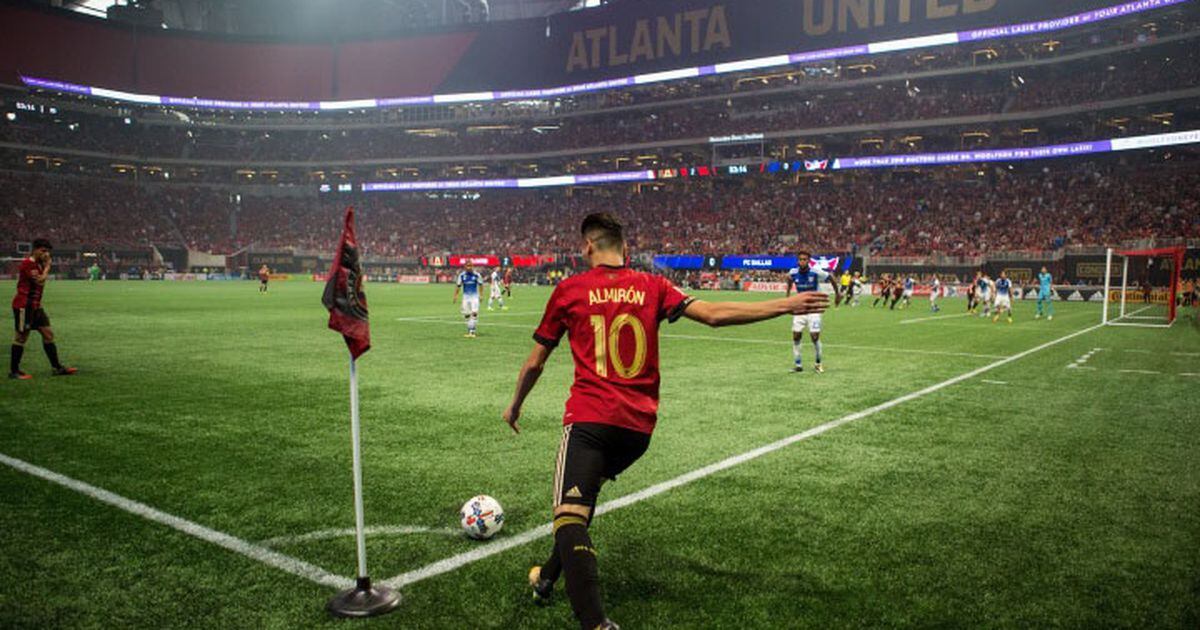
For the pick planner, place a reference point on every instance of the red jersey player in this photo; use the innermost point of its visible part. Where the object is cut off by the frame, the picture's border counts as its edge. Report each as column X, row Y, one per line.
column 508, row 282
column 264, row 276
column 611, row 315
column 28, row 313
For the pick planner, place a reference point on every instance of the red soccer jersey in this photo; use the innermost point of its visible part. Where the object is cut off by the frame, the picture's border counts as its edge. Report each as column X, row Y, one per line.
column 612, row 315
column 29, row 292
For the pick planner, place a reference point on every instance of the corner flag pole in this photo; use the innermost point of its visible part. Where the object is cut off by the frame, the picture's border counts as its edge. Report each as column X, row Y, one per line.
column 358, row 495
column 347, row 305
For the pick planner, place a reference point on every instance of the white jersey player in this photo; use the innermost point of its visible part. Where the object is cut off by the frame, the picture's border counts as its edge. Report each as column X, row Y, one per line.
column 1003, row 298
column 935, row 292
column 910, row 287
column 807, row 278
column 495, row 291
column 983, row 293
column 468, row 282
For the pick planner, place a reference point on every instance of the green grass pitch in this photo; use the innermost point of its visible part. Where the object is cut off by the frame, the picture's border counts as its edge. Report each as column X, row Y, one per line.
column 1031, row 495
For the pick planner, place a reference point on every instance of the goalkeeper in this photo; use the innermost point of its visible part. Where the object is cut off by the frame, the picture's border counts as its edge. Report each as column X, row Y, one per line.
column 1044, row 299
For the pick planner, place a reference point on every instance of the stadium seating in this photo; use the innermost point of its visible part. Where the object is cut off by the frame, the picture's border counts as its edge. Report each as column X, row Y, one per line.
column 956, row 212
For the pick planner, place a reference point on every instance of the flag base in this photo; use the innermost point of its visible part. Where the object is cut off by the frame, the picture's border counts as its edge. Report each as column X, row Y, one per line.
column 364, row 600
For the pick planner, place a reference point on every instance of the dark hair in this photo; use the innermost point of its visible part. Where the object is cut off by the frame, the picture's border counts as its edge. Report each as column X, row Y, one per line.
column 41, row 243
column 603, row 230
column 803, row 253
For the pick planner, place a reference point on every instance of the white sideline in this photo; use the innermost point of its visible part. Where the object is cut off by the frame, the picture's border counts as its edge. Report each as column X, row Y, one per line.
column 430, row 320
column 454, row 562
column 280, row 561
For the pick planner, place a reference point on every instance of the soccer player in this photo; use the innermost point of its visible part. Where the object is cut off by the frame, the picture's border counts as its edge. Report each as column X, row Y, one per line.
column 856, row 288
column 264, row 276
column 1045, row 297
column 897, row 292
column 806, row 279
column 1003, row 298
column 93, row 272
column 611, row 315
column 508, row 282
column 935, row 291
column 983, row 293
column 909, row 287
column 29, row 315
column 885, row 290
column 973, row 294
column 468, row 282
column 495, row 293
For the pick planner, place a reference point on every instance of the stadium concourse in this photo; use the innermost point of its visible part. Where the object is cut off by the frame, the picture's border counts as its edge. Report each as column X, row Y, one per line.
column 914, row 460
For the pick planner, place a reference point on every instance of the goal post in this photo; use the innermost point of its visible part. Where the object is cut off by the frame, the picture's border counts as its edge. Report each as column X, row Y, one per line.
column 1145, row 289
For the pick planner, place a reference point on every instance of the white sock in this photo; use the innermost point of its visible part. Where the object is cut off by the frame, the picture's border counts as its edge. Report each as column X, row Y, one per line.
column 817, row 347
column 796, row 345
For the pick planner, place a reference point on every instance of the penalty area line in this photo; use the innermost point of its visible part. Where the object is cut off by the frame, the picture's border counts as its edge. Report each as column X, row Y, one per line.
column 280, row 561
column 931, row 318
column 463, row 559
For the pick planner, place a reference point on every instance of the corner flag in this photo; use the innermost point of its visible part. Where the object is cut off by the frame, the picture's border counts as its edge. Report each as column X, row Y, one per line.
column 347, row 306
column 344, row 296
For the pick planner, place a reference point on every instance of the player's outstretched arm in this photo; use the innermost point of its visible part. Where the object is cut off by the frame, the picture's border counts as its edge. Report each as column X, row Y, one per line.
column 530, row 372
column 717, row 314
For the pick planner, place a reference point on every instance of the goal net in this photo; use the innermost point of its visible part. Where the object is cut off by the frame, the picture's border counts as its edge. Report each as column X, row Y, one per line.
column 1141, row 287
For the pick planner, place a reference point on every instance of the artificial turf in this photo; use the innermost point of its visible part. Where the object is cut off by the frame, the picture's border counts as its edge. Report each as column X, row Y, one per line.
column 1031, row 495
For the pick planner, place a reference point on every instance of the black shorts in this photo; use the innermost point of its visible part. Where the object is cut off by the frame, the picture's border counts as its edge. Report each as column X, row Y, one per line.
column 589, row 454
column 27, row 319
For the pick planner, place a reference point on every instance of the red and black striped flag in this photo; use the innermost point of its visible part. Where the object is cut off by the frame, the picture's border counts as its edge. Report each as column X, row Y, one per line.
column 344, row 296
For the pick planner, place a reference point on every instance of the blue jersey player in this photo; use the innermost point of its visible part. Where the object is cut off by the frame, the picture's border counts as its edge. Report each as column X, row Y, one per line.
column 469, row 282
column 1003, row 300
column 1045, row 297
column 909, row 286
column 805, row 278
column 984, row 293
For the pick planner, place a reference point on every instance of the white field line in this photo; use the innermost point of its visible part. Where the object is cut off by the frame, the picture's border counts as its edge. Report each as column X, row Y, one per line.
column 457, row 561
column 1139, row 371
column 266, row 556
column 530, row 328
column 376, row 530
column 933, row 317
column 991, row 382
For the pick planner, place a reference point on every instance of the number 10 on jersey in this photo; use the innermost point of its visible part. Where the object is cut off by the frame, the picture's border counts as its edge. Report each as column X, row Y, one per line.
column 608, row 345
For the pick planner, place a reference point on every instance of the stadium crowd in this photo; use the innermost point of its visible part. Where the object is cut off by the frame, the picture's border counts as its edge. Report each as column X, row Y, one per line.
column 950, row 211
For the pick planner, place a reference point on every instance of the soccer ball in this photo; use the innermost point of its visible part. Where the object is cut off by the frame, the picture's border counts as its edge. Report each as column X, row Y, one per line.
column 481, row 517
